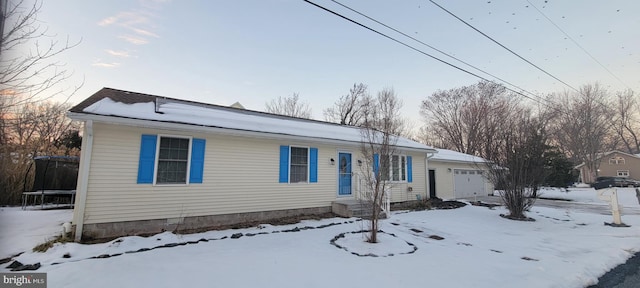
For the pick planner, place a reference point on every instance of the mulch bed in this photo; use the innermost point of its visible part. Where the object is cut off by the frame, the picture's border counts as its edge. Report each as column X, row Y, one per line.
column 488, row 205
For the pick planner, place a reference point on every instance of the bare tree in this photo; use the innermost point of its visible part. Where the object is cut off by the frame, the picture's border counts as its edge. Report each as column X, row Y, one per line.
column 28, row 69
column 349, row 109
column 626, row 122
column 427, row 136
column 467, row 119
column 381, row 127
column 583, row 127
column 289, row 106
column 33, row 129
column 519, row 170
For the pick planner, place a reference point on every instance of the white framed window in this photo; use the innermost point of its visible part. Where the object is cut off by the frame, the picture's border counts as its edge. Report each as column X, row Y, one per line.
column 617, row 160
column 172, row 165
column 299, row 165
column 393, row 168
column 623, row 173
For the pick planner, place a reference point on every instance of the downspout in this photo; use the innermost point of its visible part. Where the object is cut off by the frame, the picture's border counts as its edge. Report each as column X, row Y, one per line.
column 83, row 178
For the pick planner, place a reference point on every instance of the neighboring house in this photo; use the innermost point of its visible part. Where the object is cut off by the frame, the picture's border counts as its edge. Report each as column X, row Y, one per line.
column 455, row 175
column 612, row 163
column 152, row 163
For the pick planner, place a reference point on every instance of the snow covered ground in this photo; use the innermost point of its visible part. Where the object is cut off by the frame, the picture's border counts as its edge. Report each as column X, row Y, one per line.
column 24, row 229
column 626, row 196
column 562, row 248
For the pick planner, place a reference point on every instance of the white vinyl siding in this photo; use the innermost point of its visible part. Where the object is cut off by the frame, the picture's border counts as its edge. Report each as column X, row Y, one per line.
column 240, row 175
column 114, row 194
column 400, row 191
column 445, row 172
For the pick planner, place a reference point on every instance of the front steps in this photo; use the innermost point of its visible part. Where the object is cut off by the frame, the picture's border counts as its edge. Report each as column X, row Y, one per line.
column 353, row 208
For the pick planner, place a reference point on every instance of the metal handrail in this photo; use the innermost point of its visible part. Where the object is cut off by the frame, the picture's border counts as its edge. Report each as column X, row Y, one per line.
column 367, row 195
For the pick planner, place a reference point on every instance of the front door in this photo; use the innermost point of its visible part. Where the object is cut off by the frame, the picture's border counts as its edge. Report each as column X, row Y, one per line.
column 432, row 183
column 344, row 174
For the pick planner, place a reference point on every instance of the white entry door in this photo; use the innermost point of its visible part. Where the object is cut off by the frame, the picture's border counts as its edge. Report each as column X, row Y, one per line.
column 468, row 183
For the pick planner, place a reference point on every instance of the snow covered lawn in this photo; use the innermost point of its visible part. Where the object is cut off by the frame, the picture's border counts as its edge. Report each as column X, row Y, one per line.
column 477, row 248
column 626, row 196
column 24, row 229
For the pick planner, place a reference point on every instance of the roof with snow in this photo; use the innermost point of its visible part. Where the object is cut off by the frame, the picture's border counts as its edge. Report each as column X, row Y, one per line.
column 454, row 156
column 121, row 104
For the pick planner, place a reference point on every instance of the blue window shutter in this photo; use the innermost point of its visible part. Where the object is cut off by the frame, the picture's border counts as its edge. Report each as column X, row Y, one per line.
column 284, row 164
column 147, row 158
column 376, row 164
column 409, row 170
column 197, row 160
column 313, row 165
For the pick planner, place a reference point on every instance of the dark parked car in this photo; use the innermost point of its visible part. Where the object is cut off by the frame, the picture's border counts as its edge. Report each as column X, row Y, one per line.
column 606, row 182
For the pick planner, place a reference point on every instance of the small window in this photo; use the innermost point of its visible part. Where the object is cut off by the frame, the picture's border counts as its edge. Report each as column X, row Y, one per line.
column 393, row 168
column 617, row 160
column 299, row 165
column 403, row 168
column 385, row 168
column 623, row 173
column 173, row 159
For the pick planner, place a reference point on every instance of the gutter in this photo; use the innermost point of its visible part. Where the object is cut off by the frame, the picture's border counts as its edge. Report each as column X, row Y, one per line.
column 182, row 127
column 83, row 179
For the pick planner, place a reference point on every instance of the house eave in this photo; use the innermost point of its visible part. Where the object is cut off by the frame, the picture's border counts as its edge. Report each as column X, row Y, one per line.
column 457, row 161
column 179, row 126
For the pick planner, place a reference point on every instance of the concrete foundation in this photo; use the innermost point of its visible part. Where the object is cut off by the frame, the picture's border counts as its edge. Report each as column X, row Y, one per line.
column 98, row 231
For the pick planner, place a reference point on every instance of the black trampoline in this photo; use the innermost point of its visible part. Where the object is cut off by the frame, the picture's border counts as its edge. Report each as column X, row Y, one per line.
column 54, row 182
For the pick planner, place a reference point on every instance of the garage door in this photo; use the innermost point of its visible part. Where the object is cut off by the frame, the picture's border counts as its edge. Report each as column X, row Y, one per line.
column 468, row 183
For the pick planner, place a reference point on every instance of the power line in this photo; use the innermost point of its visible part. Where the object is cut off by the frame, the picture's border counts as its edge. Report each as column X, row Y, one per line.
column 500, row 44
column 418, row 50
column 577, row 44
column 432, row 47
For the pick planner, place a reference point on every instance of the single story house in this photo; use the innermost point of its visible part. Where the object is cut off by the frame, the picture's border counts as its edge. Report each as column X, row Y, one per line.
column 612, row 163
column 150, row 163
column 455, row 175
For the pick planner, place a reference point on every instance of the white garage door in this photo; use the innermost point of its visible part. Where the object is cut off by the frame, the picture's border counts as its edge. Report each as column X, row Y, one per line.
column 468, row 183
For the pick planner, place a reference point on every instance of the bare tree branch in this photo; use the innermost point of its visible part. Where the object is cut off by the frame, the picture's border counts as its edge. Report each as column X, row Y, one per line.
column 583, row 127
column 467, row 119
column 29, row 71
column 289, row 106
column 381, row 127
column 349, row 109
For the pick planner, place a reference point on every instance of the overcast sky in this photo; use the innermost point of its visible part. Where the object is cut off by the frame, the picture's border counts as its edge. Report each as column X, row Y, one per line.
column 253, row 51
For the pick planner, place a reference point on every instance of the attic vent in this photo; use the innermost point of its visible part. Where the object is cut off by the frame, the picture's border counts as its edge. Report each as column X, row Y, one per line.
column 237, row 105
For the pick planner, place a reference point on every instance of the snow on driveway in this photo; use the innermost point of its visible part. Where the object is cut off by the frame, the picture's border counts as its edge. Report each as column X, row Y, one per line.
column 479, row 249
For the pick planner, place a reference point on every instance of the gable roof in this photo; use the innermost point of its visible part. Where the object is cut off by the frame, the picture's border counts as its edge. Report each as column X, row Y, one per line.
column 445, row 155
column 600, row 155
column 128, row 107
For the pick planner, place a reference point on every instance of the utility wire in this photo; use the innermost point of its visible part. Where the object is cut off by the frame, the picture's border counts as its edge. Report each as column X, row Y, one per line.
column 500, row 44
column 434, row 48
column 418, row 50
column 577, row 44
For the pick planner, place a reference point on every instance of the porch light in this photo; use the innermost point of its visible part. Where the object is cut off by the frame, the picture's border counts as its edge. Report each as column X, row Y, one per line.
column 332, row 161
